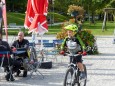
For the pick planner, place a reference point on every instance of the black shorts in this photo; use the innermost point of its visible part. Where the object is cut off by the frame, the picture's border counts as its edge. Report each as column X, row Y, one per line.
column 76, row 59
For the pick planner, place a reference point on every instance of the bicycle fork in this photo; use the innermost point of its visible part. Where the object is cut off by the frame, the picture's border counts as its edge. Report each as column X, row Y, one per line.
column 75, row 79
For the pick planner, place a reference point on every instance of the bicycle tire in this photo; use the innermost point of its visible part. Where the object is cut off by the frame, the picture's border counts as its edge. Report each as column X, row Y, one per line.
column 66, row 81
column 83, row 83
column 33, row 54
column 85, row 69
column 77, row 77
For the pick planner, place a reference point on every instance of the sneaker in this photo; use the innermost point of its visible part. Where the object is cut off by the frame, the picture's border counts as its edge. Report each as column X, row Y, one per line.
column 82, row 76
column 12, row 78
column 9, row 77
column 25, row 73
column 18, row 73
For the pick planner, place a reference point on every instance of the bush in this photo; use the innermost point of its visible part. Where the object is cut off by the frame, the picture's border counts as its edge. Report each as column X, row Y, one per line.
column 89, row 41
column 87, row 37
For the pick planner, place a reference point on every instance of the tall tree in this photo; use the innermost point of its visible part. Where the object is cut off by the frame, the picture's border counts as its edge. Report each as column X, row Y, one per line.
column 62, row 6
column 16, row 5
column 92, row 5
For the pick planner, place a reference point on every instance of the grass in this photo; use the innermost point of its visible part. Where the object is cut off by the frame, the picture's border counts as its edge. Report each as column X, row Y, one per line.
column 17, row 18
column 54, row 29
column 96, row 28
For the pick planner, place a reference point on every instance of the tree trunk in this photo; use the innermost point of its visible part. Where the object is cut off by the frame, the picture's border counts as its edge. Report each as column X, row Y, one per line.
column 92, row 19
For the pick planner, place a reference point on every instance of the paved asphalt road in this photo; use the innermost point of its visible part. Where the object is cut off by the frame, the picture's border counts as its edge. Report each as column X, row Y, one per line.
column 100, row 68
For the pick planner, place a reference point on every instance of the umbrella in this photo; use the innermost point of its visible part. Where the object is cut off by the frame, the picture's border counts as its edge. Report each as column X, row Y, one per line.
column 35, row 19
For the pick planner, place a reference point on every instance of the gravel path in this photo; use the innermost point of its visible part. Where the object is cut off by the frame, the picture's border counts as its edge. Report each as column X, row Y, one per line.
column 100, row 68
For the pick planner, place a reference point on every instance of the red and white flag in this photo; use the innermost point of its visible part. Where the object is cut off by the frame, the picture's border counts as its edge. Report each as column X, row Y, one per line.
column 35, row 19
column 4, row 17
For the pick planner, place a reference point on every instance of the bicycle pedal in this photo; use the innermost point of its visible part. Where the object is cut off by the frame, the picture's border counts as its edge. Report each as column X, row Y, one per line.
column 82, row 80
column 76, row 81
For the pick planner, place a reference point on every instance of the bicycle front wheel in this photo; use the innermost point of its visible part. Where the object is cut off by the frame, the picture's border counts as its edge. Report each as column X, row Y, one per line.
column 83, row 83
column 68, row 77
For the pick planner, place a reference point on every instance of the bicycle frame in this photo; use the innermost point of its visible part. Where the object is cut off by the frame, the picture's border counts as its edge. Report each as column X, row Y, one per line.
column 73, row 73
column 76, row 71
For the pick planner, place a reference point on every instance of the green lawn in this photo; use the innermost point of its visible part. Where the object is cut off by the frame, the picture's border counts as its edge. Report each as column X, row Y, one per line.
column 96, row 28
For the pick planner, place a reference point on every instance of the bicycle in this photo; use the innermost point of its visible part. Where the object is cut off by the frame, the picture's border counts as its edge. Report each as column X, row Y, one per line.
column 73, row 74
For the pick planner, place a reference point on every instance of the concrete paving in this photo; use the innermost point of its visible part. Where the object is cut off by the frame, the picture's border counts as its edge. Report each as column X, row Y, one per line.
column 100, row 68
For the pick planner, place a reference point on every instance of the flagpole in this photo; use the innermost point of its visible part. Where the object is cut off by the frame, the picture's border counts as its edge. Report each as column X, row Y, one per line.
column 41, row 48
column 3, row 14
column 1, row 18
column 33, row 37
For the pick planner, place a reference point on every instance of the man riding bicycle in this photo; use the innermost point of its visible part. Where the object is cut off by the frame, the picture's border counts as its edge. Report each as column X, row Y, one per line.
column 74, row 40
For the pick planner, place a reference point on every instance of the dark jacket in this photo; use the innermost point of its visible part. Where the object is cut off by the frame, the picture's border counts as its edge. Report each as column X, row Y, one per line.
column 23, row 44
column 4, row 46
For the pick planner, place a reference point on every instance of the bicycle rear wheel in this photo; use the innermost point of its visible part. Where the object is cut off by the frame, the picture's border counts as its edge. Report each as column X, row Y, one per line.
column 33, row 54
column 83, row 82
column 68, row 77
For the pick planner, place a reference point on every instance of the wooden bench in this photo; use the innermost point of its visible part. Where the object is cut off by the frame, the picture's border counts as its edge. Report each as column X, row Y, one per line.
column 12, row 25
column 13, row 28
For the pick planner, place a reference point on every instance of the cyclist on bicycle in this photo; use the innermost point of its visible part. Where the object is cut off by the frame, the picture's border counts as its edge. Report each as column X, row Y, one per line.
column 71, row 30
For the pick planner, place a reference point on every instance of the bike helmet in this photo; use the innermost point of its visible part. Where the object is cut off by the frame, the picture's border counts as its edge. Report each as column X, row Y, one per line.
column 72, row 27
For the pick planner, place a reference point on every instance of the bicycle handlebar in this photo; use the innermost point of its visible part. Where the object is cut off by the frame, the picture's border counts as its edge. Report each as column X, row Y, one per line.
column 72, row 54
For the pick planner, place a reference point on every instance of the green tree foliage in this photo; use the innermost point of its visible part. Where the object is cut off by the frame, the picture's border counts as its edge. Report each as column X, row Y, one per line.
column 16, row 5
column 62, row 6
column 111, row 4
column 59, row 6
column 91, row 6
